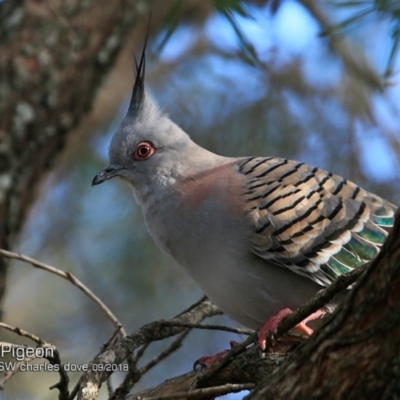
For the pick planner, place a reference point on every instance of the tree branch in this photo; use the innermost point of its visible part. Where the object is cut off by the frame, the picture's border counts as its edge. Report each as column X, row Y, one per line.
column 53, row 356
column 71, row 278
column 116, row 354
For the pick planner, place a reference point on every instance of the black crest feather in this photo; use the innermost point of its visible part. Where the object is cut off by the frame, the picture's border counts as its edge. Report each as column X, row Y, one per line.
column 137, row 98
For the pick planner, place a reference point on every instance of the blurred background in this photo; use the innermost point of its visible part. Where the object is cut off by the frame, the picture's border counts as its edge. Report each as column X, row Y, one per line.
column 263, row 78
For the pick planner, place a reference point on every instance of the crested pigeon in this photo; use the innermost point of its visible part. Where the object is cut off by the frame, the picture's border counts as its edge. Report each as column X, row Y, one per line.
column 258, row 234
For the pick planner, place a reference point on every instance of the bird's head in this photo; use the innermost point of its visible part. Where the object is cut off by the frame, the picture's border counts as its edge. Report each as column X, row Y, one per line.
column 147, row 144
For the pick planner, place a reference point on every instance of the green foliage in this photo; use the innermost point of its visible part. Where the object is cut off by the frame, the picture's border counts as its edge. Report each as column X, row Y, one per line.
column 228, row 8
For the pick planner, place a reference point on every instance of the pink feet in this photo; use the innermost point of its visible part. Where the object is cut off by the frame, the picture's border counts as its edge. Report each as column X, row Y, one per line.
column 270, row 327
column 267, row 331
column 207, row 361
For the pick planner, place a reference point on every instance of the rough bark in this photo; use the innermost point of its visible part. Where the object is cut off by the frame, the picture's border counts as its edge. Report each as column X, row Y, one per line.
column 246, row 367
column 356, row 355
column 54, row 55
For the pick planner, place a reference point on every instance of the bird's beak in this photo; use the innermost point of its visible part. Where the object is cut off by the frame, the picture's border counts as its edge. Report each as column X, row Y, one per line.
column 109, row 172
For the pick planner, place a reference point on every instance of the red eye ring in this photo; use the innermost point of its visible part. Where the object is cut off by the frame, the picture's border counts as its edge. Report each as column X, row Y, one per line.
column 143, row 151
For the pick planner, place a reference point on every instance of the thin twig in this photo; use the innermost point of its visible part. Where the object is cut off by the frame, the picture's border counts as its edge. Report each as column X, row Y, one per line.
column 63, row 383
column 130, row 379
column 239, row 331
column 191, row 307
column 13, row 370
column 199, row 393
column 53, row 357
column 23, row 333
column 74, row 391
column 111, row 339
column 134, row 374
column 140, row 352
column 175, row 345
column 71, row 278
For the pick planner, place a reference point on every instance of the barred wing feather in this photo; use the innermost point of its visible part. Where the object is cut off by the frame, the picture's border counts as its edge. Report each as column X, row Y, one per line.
column 314, row 222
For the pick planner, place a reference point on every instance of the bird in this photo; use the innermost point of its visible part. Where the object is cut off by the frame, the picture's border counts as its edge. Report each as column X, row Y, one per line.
column 259, row 234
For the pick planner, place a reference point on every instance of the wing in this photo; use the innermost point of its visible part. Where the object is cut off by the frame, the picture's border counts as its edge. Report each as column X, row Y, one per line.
column 309, row 220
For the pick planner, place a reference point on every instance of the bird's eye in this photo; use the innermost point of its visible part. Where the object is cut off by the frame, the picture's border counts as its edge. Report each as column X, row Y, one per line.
column 144, row 150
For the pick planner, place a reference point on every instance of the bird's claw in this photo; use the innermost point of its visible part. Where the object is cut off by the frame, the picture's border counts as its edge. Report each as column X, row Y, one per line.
column 206, row 361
